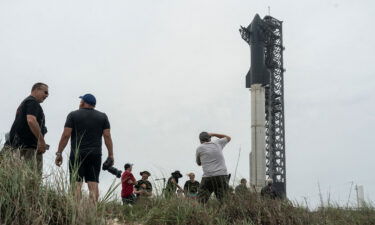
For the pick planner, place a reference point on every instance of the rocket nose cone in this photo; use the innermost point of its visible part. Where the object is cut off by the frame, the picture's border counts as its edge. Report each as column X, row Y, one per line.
column 255, row 23
column 256, row 17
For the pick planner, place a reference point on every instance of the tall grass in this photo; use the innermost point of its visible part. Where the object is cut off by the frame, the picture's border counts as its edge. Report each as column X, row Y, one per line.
column 249, row 209
column 27, row 199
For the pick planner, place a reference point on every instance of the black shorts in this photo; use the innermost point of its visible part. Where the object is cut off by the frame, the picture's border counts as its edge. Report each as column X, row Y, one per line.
column 86, row 167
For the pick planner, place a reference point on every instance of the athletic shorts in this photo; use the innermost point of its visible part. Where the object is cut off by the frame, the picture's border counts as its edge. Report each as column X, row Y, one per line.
column 86, row 167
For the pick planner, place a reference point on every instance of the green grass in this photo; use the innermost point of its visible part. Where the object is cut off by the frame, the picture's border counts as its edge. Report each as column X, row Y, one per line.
column 25, row 199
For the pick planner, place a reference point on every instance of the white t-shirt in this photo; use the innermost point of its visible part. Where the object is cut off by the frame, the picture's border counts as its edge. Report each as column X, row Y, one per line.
column 210, row 156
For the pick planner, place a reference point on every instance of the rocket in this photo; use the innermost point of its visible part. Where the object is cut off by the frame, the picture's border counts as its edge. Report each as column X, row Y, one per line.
column 258, row 73
column 265, row 39
column 256, row 79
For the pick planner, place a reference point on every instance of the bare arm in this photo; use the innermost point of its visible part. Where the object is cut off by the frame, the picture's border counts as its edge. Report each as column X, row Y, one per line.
column 62, row 144
column 198, row 160
column 175, row 183
column 131, row 181
column 35, row 129
column 64, row 139
column 143, row 192
column 108, row 142
column 220, row 136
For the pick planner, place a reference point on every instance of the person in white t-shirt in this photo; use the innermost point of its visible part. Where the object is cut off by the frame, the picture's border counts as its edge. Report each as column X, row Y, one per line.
column 209, row 155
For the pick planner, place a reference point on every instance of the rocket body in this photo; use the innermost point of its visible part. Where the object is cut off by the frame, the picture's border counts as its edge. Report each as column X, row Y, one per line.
column 258, row 151
column 256, row 79
column 258, row 73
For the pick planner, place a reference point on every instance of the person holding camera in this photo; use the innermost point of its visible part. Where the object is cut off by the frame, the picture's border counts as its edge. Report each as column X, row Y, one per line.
column 143, row 189
column 209, row 155
column 172, row 185
column 86, row 127
column 26, row 135
column 128, row 181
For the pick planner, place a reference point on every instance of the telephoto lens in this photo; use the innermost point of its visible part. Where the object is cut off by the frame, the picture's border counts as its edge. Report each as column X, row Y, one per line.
column 108, row 165
column 115, row 171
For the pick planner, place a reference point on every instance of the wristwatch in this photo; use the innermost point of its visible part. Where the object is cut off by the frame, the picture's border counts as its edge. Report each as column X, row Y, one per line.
column 58, row 153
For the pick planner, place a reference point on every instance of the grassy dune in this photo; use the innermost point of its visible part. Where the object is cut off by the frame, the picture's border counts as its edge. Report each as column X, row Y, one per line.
column 25, row 199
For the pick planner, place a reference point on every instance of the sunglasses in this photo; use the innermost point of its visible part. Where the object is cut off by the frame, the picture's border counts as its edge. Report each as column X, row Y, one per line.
column 45, row 92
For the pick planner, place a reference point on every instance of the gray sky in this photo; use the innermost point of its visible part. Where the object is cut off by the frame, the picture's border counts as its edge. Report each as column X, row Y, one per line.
column 165, row 70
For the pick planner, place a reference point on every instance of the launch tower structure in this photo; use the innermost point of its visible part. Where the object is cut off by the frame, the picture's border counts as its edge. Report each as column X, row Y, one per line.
column 265, row 39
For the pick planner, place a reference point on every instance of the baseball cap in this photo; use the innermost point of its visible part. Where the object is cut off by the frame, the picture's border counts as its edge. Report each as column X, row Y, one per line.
column 128, row 165
column 89, row 99
column 204, row 136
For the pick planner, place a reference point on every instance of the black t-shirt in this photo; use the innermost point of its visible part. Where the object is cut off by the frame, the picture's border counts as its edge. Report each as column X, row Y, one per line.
column 268, row 191
column 87, row 130
column 241, row 189
column 191, row 187
column 20, row 134
column 171, row 186
column 139, row 185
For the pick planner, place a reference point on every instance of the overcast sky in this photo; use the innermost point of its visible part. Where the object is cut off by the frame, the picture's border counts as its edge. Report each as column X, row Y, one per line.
column 165, row 70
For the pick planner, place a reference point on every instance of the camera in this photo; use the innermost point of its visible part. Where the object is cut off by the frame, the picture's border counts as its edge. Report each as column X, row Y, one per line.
column 108, row 165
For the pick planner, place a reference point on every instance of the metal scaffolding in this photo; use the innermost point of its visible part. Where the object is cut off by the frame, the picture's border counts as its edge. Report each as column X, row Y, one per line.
column 275, row 120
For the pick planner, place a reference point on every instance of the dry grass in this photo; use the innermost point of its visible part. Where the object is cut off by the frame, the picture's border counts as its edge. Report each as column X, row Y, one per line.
column 26, row 200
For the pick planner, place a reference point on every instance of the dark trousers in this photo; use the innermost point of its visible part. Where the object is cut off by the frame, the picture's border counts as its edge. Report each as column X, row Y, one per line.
column 131, row 199
column 217, row 184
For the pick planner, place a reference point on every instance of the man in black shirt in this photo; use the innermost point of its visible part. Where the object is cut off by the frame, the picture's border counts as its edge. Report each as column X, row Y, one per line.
column 143, row 188
column 268, row 190
column 28, row 129
column 86, row 127
column 242, row 189
column 172, row 185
